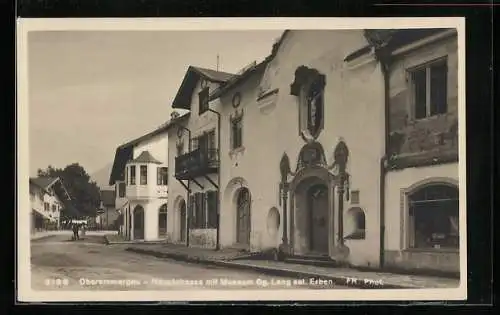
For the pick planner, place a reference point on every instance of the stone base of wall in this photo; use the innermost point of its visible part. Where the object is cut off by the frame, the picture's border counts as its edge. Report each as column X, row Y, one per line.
column 203, row 238
column 440, row 261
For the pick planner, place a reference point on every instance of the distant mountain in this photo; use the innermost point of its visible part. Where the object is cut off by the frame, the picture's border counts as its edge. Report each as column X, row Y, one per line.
column 101, row 177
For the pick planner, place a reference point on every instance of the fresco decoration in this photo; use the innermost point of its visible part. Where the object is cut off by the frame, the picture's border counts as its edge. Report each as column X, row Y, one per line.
column 309, row 86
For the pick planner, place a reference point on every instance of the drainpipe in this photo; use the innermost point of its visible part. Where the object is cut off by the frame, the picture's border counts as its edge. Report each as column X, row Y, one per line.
column 382, row 55
column 217, row 244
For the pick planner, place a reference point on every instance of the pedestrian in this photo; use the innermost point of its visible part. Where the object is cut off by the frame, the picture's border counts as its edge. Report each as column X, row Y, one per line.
column 75, row 232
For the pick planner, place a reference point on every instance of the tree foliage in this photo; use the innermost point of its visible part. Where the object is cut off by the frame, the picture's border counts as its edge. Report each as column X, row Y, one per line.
column 85, row 194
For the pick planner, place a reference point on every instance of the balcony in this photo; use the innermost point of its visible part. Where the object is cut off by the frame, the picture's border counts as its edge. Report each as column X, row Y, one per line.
column 143, row 192
column 199, row 162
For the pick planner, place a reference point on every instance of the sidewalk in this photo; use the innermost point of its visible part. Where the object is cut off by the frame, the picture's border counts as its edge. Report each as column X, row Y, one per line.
column 231, row 258
column 45, row 234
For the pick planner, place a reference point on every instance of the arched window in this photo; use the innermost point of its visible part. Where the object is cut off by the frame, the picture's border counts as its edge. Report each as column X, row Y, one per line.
column 433, row 217
column 355, row 224
column 162, row 221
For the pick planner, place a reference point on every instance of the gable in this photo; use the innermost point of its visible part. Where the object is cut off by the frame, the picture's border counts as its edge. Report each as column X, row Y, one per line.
column 184, row 96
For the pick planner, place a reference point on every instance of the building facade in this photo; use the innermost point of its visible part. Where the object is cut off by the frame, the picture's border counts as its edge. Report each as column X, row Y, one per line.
column 340, row 145
column 46, row 199
column 108, row 219
column 140, row 177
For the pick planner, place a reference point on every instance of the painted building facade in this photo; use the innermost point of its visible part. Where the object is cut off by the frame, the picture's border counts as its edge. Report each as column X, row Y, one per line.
column 46, row 203
column 194, row 155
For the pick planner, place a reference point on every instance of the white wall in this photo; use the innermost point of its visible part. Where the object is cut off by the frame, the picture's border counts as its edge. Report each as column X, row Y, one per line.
column 353, row 110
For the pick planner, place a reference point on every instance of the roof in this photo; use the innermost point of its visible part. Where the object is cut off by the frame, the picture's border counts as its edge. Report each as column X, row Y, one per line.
column 125, row 152
column 145, row 157
column 108, row 198
column 193, row 74
column 46, row 182
column 43, row 182
column 392, row 39
column 237, row 80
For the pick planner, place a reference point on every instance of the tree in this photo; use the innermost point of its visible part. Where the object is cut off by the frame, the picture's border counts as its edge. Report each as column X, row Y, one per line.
column 85, row 194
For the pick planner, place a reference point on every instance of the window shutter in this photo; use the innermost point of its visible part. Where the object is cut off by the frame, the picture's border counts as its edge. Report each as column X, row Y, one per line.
column 212, row 202
column 158, row 176
column 192, row 214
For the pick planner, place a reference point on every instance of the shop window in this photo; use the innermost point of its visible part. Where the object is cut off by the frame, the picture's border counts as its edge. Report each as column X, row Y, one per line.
column 433, row 217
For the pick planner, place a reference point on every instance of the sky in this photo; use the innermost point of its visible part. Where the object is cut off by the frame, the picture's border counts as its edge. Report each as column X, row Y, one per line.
column 90, row 91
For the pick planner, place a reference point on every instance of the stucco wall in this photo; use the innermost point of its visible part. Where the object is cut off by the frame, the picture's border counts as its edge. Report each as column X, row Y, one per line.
column 353, row 110
column 410, row 136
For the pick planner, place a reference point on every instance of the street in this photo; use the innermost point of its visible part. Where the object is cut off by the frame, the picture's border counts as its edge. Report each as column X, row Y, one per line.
column 57, row 263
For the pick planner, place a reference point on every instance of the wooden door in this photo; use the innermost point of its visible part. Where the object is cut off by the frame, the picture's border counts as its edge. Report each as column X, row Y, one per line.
column 139, row 223
column 243, row 219
column 318, row 207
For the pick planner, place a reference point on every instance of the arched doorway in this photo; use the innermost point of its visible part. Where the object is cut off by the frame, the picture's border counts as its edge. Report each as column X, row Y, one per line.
column 182, row 221
column 162, row 221
column 311, row 216
column 138, row 222
column 243, row 216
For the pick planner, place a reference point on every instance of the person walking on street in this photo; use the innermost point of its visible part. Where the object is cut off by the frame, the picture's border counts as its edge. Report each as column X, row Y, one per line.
column 75, row 232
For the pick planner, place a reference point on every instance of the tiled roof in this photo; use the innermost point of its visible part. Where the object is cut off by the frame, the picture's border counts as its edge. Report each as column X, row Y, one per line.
column 145, row 157
column 214, row 75
column 108, row 197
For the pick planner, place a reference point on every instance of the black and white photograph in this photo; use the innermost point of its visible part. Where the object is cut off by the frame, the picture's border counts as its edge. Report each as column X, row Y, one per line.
column 241, row 159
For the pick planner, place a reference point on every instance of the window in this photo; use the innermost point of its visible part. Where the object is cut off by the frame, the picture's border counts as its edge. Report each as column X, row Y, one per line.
column 132, row 175
column 430, row 89
column 162, row 176
column 203, row 100
column 355, row 224
column 144, row 174
column 46, row 206
column 204, row 210
column 433, row 217
column 206, row 143
column 236, row 132
column 121, row 190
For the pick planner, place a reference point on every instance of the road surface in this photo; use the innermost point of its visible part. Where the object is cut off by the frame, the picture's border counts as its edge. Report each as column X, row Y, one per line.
column 61, row 264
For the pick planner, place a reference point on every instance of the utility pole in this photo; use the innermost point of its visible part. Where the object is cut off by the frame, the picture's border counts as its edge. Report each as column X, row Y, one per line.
column 218, row 62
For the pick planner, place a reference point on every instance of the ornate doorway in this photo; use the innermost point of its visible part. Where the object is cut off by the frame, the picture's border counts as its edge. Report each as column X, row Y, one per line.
column 317, row 204
column 138, row 222
column 182, row 222
column 243, row 218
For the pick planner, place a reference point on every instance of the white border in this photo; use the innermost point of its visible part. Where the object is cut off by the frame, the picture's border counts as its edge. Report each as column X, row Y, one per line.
column 26, row 294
